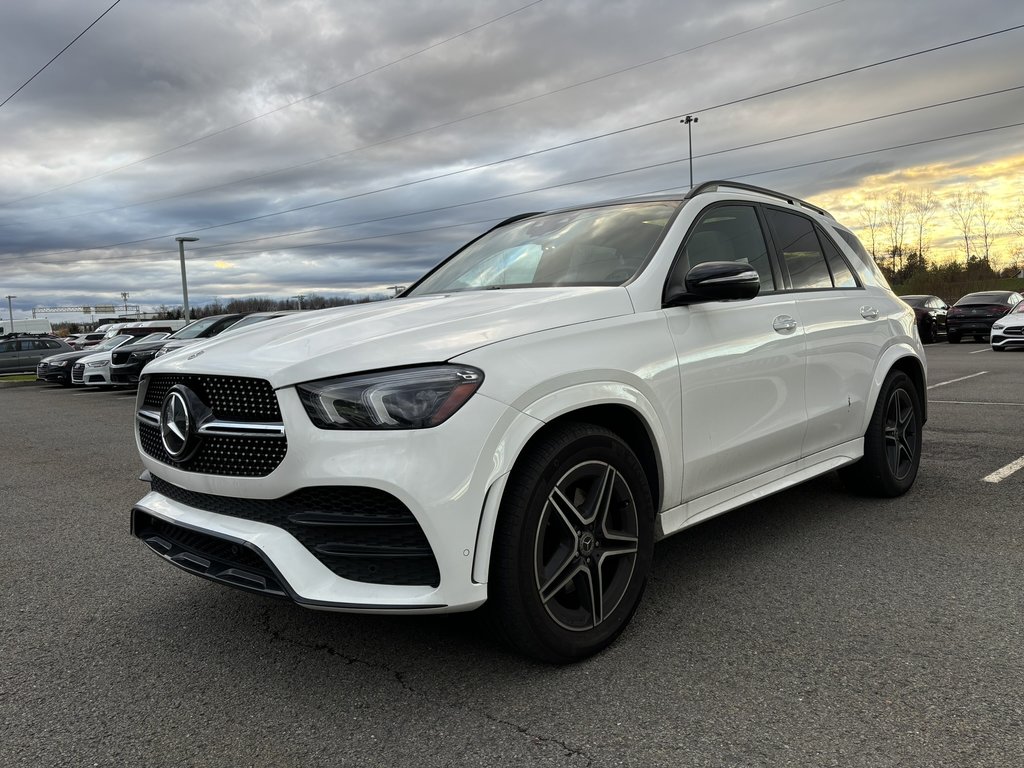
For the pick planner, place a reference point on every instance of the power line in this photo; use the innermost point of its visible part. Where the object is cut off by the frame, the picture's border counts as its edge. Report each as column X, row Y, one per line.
column 59, row 53
column 576, row 142
column 221, row 131
column 595, row 178
column 421, row 131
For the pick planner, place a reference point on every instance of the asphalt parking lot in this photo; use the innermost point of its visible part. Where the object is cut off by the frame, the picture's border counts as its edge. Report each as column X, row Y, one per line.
column 811, row 629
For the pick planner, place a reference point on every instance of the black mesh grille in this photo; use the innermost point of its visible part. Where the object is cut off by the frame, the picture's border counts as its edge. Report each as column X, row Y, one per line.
column 78, row 372
column 230, row 397
column 217, row 455
column 233, row 398
column 362, row 534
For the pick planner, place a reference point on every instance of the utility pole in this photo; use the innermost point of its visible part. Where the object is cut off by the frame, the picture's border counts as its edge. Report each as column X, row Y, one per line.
column 690, row 120
column 124, row 298
column 299, row 299
column 10, row 309
column 397, row 289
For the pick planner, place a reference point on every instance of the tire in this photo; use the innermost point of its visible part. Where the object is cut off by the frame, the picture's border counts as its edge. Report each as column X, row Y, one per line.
column 952, row 338
column 980, row 338
column 572, row 546
column 892, row 442
column 998, row 349
column 927, row 334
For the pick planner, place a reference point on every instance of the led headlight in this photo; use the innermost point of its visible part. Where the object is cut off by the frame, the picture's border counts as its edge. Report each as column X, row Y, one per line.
column 406, row 398
column 997, row 326
column 58, row 363
column 98, row 363
column 145, row 354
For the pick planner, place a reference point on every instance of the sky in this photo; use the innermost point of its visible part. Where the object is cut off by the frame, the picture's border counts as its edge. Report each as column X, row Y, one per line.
column 342, row 147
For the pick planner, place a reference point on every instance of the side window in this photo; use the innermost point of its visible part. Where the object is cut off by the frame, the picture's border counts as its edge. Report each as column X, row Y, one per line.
column 727, row 233
column 28, row 345
column 800, row 250
column 7, row 346
column 51, row 344
column 842, row 276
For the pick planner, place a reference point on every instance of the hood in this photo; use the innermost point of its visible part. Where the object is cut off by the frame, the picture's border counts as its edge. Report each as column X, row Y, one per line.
column 70, row 356
column 387, row 334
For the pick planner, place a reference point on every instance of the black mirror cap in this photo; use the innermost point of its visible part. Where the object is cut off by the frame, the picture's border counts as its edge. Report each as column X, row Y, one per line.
column 717, row 281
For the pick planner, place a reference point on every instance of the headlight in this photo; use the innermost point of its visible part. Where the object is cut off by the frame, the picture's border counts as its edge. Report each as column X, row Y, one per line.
column 98, row 363
column 161, row 352
column 408, row 398
column 58, row 363
column 997, row 326
column 146, row 354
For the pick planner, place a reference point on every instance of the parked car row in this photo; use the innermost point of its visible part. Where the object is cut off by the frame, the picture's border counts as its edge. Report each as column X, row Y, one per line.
column 118, row 358
column 993, row 316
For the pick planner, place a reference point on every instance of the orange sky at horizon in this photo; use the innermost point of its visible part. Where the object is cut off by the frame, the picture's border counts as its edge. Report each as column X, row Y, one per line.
column 1002, row 180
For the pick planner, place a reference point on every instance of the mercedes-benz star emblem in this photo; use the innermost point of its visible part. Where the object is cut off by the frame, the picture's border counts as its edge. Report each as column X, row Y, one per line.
column 175, row 424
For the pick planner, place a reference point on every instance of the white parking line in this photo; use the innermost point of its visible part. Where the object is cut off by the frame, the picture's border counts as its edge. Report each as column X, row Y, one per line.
column 954, row 381
column 971, row 402
column 1005, row 472
column 979, row 351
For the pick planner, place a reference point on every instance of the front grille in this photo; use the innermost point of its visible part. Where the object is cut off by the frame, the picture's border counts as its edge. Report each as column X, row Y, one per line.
column 221, row 455
column 1013, row 331
column 230, row 397
column 361, row 534
column 120, row 356
column 77, row 372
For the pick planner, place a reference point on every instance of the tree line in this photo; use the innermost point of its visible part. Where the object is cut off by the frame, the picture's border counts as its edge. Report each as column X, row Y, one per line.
column 898, row 233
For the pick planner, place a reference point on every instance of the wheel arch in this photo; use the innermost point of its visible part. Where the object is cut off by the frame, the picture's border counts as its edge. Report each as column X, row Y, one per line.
column 900, row 358
column 645, row 439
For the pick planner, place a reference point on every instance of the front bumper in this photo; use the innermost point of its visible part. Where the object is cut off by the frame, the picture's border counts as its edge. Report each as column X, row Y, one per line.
column 440, row 475
column 1008, row 337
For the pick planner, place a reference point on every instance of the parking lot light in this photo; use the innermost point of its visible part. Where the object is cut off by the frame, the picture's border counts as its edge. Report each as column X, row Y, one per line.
column 184, row 281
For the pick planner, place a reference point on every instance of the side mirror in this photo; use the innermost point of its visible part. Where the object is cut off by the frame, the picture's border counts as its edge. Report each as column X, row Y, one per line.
column 716, row 281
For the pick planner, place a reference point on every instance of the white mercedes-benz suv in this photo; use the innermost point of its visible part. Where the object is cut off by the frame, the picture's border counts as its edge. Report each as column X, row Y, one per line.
column 522, row 424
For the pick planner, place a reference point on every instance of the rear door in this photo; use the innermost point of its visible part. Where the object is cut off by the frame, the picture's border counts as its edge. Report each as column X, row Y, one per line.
column 844, row 324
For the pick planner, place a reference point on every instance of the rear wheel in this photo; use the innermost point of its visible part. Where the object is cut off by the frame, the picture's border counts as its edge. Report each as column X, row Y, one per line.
column 927, row 334
column 953, row 338
column 573, row 545
column 892, row 442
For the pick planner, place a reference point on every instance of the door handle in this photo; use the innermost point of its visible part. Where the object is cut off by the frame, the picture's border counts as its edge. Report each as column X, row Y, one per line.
column 784, row 324
column 869, row 313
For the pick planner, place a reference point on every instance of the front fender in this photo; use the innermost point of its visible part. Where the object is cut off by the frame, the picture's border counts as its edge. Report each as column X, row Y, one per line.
column 562, row 404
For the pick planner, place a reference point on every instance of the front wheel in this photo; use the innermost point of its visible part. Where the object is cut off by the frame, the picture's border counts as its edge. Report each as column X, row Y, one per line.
column 927, row 334
column 573, row 545
column 953, row 338
column 892, row 442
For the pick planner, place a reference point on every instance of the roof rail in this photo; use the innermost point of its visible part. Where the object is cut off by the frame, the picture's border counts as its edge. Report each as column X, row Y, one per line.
column 714, row 186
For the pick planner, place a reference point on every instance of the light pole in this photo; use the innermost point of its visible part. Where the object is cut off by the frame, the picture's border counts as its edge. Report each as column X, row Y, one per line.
column 690, row 120
column 184, row 282
column 10, row 309
column 299, row 299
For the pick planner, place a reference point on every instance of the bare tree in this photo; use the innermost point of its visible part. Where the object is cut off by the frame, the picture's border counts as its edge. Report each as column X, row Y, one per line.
column 1015, row 223
column 871, row 220
column 985, row 218
column 895, row 218
column 961, row 210
column 923, row 207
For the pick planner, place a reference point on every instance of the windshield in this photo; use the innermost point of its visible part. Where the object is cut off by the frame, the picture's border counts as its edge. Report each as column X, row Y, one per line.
column 208, row 326
column 109, row 344
column 150, row 337
column 594, row 246
column 915, row 301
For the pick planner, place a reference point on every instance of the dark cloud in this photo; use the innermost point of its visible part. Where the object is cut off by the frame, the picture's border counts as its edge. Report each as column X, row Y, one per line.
column 395, row 144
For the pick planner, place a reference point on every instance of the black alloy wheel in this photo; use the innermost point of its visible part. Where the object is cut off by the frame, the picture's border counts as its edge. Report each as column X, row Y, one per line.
column 892, row 442
column 573, row 545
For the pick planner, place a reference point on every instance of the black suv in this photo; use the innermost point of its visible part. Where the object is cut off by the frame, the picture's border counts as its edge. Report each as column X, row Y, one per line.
column 127, row 364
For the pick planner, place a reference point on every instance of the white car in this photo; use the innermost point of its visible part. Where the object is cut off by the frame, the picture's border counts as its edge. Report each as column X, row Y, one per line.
column 1008, row 331
column 94, row 370
column 523, row 423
